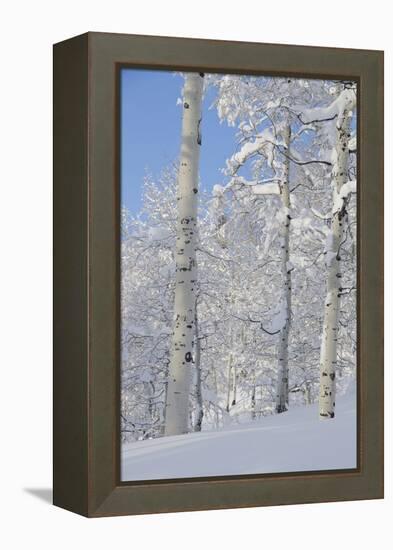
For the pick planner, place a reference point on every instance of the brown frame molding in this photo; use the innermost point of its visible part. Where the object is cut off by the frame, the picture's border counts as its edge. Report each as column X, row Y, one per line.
column 86, row 275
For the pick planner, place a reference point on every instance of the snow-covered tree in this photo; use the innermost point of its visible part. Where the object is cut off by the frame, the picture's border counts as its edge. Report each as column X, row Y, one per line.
column 341, row 111
column 267, row 113
column 147, row 293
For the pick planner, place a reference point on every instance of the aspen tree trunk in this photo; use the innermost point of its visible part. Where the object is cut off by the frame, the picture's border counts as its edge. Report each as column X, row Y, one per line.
column 234, row 369
column 328, row 357
column 282, row 379
column 253, row 395
column 198, row 381
column 234, row 385
column 229, row 371
column 163, row 414
column 177, row 408
column 216, row 410
column 151, row 404
column 231, row 377
column 307, row 394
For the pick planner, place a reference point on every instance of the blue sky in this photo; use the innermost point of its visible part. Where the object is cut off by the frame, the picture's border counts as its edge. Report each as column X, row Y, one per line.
column 151, row 128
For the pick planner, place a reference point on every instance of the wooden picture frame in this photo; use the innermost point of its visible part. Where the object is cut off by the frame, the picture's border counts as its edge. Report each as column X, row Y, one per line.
column 86, row 275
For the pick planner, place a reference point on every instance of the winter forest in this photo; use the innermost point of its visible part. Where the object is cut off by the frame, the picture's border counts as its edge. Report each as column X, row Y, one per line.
column 238, row 274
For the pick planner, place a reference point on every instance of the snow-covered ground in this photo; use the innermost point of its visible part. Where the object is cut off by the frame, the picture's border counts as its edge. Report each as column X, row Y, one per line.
column 293, row 441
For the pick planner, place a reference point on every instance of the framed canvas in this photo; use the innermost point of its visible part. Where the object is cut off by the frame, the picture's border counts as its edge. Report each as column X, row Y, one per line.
column 218, row 274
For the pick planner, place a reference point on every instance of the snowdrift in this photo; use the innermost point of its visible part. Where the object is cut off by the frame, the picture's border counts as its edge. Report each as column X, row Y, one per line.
column 293, row 441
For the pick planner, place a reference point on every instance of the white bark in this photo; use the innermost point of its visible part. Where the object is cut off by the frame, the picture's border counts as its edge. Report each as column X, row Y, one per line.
column 163, row 414
column 231, row 384
column 229, row 371
column 253, row 395
column 234, row 386
column 177, row 408
column 328, row 357
column 307, row 394
column 286, row 299
column 198, row 381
